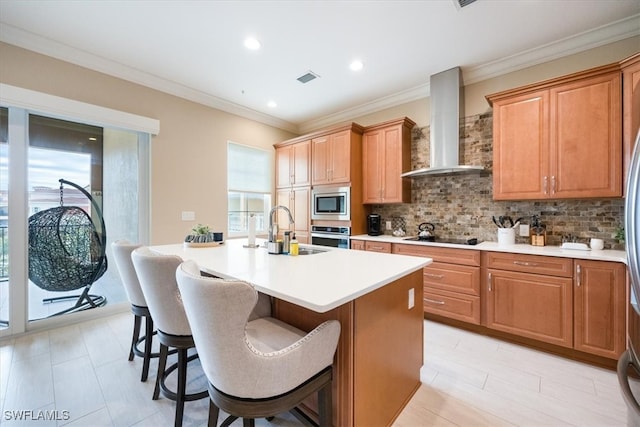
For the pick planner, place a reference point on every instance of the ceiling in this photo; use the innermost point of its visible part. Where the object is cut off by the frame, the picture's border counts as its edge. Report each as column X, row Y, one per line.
column 194, row 49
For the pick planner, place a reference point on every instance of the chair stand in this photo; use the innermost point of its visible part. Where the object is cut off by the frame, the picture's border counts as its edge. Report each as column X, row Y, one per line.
column 84, row 301
column 182, row 344
column 136, row 340
column 249, row 409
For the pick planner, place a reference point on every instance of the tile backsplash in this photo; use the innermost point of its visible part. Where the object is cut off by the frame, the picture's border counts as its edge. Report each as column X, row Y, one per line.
column 462, row 205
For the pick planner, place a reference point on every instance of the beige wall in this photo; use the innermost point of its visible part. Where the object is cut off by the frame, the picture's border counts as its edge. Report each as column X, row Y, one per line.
column 188, row 157
column 475, row 101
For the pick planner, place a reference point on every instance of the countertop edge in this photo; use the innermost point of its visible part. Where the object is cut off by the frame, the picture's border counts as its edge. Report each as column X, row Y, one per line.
column 520, row 248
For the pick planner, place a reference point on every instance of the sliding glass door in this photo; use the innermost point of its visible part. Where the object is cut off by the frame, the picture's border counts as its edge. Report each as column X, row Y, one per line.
column 55, row 236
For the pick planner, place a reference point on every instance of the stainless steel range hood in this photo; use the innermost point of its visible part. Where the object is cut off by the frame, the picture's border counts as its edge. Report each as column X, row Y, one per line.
column 447, row 107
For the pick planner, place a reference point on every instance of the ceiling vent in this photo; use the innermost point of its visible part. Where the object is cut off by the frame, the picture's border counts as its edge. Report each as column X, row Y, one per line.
column 462, row 3
column 306, row 78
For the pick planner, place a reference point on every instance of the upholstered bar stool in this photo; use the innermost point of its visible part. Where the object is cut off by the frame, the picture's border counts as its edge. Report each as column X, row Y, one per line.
column 256, row 368
column 157, row 276
column 122, row 255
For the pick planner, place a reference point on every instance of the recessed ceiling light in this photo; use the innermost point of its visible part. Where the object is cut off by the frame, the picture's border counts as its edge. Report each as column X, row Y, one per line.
column 356, row 65
column 252, row 43
column 272, row 104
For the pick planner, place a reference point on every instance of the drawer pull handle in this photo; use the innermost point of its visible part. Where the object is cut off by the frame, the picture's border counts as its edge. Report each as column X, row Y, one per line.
column 432, row 301
column 489, row 282
column 526, row 264
column 579, row 275
column 434, row 276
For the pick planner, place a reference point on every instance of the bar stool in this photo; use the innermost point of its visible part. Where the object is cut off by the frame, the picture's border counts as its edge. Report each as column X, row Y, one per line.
column 122, row 255
column 157, row 276
column 256, row 368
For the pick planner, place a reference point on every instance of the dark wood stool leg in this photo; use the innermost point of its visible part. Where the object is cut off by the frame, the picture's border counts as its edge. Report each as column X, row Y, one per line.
column 214, row 413
column 148, row 342
column 182, row 385
column 162, row 364
column 248, row 422
column 136, row 334
column 325, row 406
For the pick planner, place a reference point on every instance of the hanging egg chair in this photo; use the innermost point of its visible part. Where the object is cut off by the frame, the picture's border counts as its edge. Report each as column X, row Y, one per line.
column 67, row 251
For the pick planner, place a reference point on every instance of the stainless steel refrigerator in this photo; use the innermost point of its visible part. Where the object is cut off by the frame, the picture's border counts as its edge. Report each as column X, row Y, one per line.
column 630, row 360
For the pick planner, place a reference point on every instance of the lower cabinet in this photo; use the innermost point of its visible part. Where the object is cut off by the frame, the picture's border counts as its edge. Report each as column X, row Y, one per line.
column 357, row 245
column 599, row 308
column 577, row 304
column 451, row 281
column 383, row 247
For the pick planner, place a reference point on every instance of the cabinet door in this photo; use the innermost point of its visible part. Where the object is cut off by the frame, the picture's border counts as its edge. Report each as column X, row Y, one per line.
column 372, row 161
column 599, row 308
column 340, row 157
column 630, row 109
column 284, row 172
column 301, row 160
column 383, row 247
column 320, row 160
column 586, row 159
column 521, row 147
column 392, row 165
column 453, row 305
column 357, row 245
column 301, row 206
column 529, row 305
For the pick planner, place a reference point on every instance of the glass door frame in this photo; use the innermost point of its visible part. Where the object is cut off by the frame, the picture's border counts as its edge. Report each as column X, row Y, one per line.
column 21, row 103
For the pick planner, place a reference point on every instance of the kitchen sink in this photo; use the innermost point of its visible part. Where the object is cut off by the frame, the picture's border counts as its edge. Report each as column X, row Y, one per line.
column 310, row 251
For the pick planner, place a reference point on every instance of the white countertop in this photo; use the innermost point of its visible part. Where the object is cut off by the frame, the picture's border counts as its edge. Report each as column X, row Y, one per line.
column 603, row 255
column 319, row 282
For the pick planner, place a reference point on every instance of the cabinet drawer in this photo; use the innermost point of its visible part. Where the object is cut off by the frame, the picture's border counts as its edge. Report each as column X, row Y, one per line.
column 537, row 264
column 455, row 278
column 453, row 305
column 440, row 254
column 378, row 247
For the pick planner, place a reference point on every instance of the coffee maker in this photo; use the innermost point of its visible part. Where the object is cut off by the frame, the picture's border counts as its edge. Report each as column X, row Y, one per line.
column 374, row 225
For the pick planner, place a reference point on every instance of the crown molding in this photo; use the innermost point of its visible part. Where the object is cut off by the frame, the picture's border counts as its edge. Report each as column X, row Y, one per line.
column 616, row 31
column 27, row 40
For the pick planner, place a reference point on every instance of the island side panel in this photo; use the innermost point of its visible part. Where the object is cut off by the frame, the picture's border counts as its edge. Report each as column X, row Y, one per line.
column 306, row 320
column 388, row 350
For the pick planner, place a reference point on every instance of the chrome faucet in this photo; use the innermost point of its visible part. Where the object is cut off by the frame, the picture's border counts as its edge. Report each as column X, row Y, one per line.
column 273, row 228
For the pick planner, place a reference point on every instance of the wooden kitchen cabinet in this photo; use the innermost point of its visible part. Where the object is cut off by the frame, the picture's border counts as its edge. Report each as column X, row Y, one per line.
column 332, row 158
column 630, row 108
column 383, row 247
column 297, row 199
column 451, row 281
column 293, row 164
column 358, row 245
column 535, row 304
column 599, row 307
column 565, row 133
column 386, row 154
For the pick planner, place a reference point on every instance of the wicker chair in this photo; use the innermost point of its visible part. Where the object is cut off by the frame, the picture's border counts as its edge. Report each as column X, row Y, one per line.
column 67, row 251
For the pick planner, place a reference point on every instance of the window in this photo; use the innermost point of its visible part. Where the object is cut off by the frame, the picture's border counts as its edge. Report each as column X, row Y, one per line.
column 249, row 172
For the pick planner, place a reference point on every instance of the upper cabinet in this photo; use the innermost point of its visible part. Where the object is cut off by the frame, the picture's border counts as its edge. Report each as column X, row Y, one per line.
column 386, row 154
column 332, row 158
column 293, row 164
column 559, row 139
column 630, row 107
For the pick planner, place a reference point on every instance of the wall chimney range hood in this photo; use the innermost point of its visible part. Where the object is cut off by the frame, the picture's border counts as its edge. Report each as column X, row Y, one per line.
column 447, row 107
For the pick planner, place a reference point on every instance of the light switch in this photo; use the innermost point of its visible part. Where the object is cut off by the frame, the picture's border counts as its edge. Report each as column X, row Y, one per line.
column 412, row 298
column 188, row 216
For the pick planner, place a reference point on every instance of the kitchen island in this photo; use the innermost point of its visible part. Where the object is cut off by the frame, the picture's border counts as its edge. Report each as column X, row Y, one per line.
column 380, row 351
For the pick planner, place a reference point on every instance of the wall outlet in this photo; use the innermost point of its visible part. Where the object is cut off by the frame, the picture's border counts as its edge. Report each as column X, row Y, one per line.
column 524, row 230
column 388, row 225
column 412, row 298
column 188, row 216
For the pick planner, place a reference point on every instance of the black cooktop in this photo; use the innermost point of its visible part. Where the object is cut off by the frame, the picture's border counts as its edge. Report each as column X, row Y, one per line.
column 469, row 241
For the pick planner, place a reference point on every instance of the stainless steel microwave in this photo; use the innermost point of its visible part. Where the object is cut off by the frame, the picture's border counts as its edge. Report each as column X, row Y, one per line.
column 331, row 203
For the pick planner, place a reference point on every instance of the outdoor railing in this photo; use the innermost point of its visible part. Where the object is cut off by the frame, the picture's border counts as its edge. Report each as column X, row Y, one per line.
column 4, row 253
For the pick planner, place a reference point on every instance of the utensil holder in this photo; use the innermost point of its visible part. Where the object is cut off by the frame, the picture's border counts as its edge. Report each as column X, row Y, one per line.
column 506, row 236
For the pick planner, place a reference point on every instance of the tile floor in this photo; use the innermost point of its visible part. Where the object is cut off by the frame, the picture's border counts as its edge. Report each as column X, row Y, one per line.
column 468, row 380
